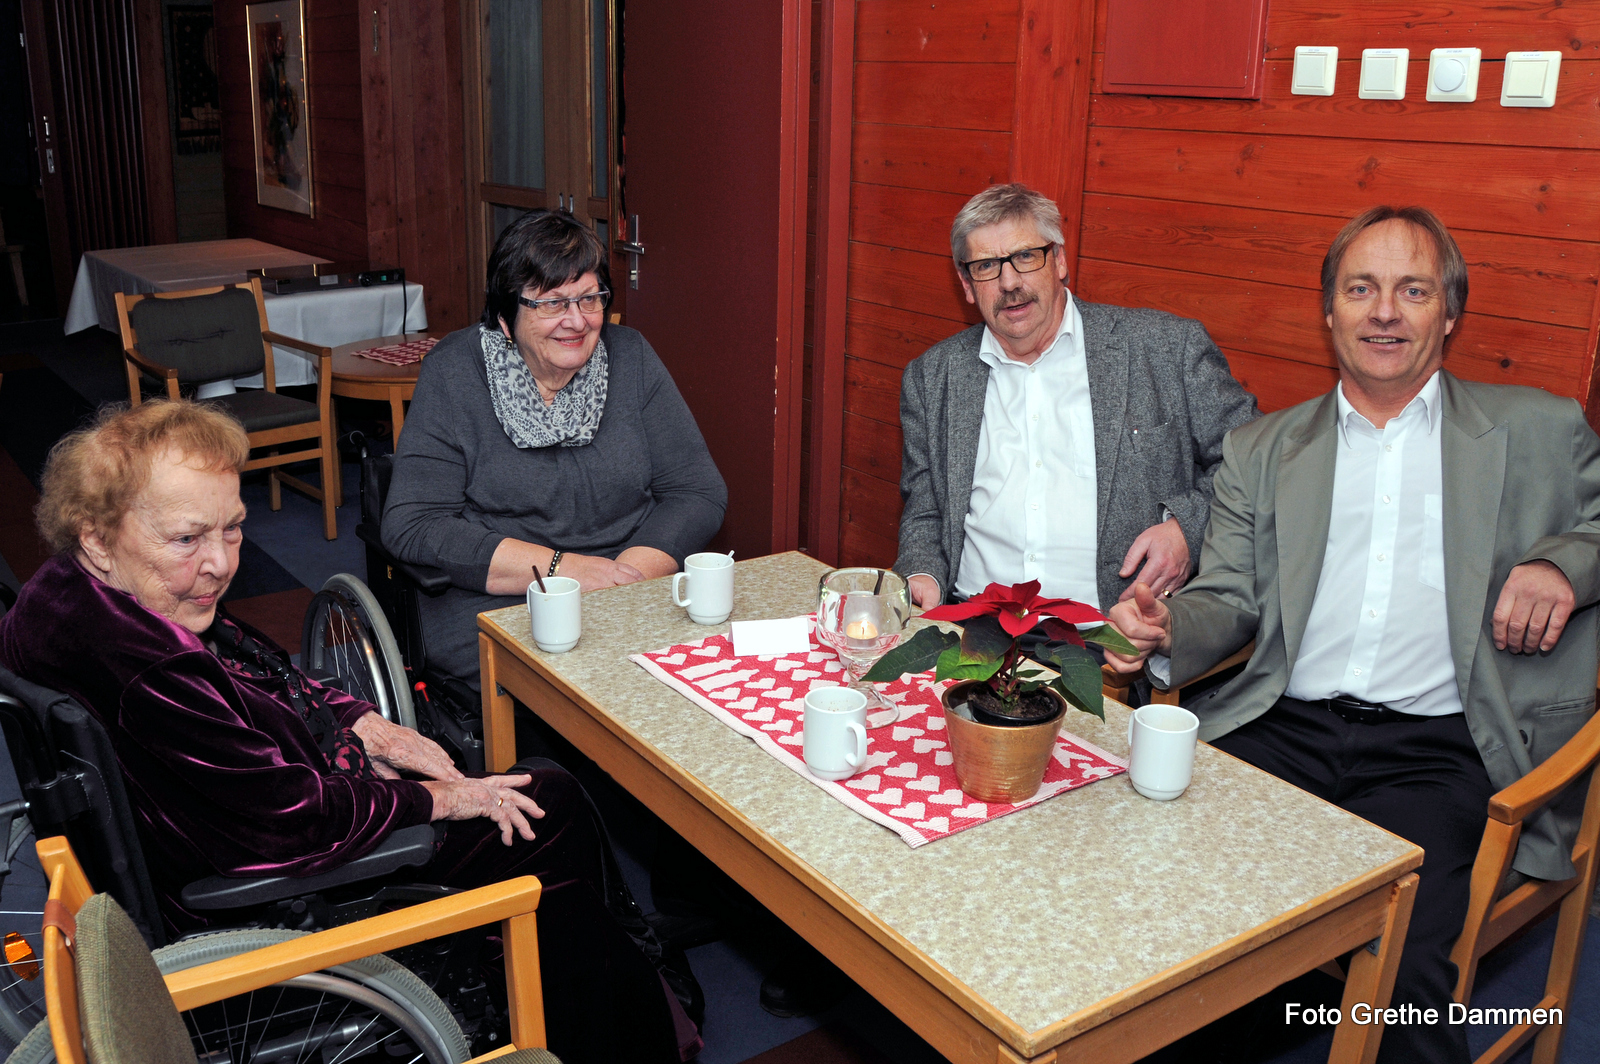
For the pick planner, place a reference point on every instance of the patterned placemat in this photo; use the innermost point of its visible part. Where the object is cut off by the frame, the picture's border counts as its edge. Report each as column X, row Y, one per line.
column 908, row 784
column 399, row 354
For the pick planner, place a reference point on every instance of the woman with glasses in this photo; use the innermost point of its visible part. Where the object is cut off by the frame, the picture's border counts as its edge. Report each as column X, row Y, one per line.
column 544, row 439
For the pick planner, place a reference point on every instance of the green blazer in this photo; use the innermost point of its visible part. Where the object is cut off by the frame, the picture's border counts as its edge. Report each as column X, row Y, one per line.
column 1521, row 482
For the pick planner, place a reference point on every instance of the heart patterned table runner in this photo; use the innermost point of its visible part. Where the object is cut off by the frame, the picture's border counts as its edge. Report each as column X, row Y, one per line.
column 908, row 783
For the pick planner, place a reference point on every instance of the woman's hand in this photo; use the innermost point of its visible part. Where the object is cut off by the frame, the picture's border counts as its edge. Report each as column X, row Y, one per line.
column 495, row 797
column 592, row 572
column 394, row 749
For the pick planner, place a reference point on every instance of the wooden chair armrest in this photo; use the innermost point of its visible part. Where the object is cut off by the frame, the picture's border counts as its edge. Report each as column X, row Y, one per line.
column 271, row 964
column 299, row 345
column 1528, row 795
column 155, row 369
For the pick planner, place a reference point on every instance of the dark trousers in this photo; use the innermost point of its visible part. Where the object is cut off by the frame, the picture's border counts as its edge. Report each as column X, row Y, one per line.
column 605, row 990
column 1421, row 779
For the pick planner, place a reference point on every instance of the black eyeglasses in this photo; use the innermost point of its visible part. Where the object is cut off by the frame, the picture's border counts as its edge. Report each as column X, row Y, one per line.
column 1025, row 261
column 556, row 307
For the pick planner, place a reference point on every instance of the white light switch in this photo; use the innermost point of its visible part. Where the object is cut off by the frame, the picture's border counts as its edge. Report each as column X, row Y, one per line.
column 1314, row 71
column 1383, row 73
column 1530, row 79
column 1453, row 74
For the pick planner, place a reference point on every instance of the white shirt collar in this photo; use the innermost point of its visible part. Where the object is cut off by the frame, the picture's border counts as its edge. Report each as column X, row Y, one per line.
column 994, row 356
column 1429, row 397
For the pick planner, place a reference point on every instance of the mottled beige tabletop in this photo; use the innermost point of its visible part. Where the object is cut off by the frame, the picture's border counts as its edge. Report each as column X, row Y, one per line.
column 1044, row 912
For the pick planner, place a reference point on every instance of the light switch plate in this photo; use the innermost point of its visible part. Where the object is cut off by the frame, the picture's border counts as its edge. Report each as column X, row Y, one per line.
column 1453, row 74
column 1530, row 79
column 1383, row 73
column 1314, row 71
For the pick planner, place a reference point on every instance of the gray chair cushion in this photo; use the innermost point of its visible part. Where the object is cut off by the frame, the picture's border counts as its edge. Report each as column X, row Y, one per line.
column 204, row 338
column 126, row 1014
column 258, row 410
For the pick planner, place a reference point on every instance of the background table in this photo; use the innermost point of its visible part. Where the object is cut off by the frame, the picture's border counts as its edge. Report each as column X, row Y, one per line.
column 1097, row 926
column 330, row 318
column 355, row 377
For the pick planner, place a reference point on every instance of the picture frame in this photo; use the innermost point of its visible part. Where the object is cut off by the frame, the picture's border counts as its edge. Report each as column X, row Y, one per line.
column 280, row 105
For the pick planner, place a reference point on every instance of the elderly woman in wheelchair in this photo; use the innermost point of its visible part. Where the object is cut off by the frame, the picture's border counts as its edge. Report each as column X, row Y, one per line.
column 235, row 762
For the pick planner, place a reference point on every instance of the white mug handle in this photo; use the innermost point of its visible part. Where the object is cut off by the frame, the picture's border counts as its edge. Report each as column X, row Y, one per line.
column 1130, row 730
column 855, row 757
column 677, row 600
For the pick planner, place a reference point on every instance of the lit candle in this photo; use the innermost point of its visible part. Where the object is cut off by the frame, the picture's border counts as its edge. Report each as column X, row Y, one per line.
column 862, row 629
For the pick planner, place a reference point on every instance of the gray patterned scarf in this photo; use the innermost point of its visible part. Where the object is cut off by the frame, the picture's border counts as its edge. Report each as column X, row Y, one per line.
column 570, row 421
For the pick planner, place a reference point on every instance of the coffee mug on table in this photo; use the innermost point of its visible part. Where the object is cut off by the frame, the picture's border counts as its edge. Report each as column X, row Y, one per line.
column 710, row 577
column 835, row 732
column 1162, row 741
column 556, row 614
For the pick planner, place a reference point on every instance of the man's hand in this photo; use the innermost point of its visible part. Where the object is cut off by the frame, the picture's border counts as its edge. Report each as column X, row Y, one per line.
column 495, row 797
column 1533, row 608
column 395, row 749
column 924, row 591
column 1147, row 623
column 1165, row 554
column 593, row 573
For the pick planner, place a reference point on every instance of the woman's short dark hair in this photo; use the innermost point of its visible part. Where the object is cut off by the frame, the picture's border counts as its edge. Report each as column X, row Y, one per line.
column 1452, row 266
column 545, row 249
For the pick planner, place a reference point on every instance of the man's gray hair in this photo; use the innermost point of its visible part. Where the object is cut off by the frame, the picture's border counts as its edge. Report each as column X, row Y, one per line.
column 1001, row 203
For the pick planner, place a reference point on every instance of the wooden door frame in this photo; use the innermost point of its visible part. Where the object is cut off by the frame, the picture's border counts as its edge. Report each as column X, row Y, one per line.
column 50, row 145
column 789, row 374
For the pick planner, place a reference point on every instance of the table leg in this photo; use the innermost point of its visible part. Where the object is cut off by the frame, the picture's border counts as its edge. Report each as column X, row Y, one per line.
column 499, row 720
column 1371, row 979
column 397, row 413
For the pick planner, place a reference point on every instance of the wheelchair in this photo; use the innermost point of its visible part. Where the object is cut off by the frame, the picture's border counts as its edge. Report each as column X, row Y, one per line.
column 372, row 1009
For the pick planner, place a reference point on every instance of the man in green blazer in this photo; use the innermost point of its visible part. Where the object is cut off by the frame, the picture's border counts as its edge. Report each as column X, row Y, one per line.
column 1416, row 557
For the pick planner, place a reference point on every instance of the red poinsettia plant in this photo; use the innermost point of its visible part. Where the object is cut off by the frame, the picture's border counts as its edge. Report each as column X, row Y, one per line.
column 987, row 648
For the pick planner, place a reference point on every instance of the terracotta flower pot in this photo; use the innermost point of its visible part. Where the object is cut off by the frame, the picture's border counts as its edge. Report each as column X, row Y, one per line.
column 995, row 764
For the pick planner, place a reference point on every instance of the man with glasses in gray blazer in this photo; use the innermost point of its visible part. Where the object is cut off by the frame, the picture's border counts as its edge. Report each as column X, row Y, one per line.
column 1062, row 441
column 1417, row 558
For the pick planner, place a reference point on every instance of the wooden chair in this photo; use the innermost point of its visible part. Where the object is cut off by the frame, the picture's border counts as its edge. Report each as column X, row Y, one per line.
column 1116, row 686
column 512, row 902
column 218, row 333
column 1499, row 909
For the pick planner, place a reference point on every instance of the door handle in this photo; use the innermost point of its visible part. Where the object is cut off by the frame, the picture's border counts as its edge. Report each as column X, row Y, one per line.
column 633, row 249
column 623, row 247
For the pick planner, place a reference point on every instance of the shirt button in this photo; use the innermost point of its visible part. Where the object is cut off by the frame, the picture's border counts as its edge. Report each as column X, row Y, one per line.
column 1035, row 506
column 1372, row 613
column 1033, row 557
column 1388, row 447
column 1386, row 498
column 1383, row 557
column 1036, row 417
column 1037, row 463
column 1358, row 672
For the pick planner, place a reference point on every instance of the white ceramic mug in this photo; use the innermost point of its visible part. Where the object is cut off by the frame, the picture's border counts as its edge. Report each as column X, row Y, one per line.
column 1162, row 740
column 556, row 614
column 835, row 732
column 710, row 577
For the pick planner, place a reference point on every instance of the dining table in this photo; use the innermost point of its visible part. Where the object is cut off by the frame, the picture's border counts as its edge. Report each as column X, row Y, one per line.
column 1098, row 925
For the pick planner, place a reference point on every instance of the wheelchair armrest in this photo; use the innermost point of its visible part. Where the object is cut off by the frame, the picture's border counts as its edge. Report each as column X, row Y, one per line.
column 429, row 581
column 406, row 848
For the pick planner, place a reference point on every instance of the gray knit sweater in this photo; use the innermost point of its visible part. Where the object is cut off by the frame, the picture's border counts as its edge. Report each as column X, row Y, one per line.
column 461, row 486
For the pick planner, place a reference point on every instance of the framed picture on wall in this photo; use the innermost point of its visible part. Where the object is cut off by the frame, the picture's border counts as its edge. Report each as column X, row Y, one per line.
column 279, row 104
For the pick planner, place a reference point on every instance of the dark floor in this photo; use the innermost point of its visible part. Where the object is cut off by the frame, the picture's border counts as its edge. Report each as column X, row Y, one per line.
column 51, row 383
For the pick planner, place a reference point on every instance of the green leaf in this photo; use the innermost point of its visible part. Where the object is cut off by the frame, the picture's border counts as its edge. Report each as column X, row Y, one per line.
column 954, row 666
column 982, row 639
column 1079, row 682
column 917, row 654
column 1110, row 638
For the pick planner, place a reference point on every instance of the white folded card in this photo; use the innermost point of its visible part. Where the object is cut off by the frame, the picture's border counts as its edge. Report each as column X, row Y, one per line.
column 765, row 639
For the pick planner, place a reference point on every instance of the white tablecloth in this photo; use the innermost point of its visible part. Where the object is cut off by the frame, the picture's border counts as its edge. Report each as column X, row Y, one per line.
column 332, row 317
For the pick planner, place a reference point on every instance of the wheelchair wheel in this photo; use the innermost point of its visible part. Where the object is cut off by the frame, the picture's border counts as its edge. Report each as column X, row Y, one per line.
column 368, row 1010
column 347, row 636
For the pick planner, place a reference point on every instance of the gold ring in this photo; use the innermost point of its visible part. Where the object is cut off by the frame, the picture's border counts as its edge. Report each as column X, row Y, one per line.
column 1167, row 593
column 499, row 802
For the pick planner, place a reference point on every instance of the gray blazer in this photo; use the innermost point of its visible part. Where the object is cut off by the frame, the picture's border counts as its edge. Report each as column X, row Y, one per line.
column 1162, row 398
column 1521, row 483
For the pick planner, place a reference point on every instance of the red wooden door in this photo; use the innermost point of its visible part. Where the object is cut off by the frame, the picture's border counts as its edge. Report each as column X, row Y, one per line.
column 714, row 140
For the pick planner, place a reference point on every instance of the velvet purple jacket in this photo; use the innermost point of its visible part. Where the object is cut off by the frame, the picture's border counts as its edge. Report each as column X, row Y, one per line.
column 222, row 773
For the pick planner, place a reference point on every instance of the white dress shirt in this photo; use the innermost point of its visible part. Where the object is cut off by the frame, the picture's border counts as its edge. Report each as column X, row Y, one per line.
column 1378, row 629
column 1034, row 508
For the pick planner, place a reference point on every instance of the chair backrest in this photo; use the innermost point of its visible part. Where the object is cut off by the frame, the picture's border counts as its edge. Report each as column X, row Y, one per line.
column 106, row 999
column 70, row 776
column 204, row 337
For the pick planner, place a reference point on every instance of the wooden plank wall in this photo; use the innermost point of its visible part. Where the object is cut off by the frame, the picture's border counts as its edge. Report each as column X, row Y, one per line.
column 1221, row 210
column 338, row 163
column 1215, row 209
